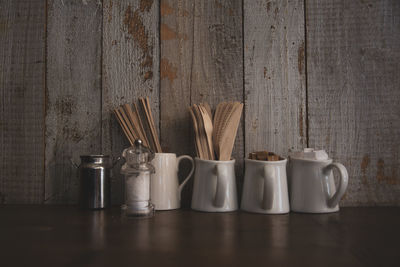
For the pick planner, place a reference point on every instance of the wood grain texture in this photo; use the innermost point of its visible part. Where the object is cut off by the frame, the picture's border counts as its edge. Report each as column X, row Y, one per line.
column 217, row 70
column 353, row 57
column 275, row 89
column 201, row 61
column 355, row 237
column 176, row 34
column 176, row 37
column 22, row 52
column 73, row 95
column 130, row 69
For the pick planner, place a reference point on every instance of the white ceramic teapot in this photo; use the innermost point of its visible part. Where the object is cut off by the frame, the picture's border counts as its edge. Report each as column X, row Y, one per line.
column 312, row 187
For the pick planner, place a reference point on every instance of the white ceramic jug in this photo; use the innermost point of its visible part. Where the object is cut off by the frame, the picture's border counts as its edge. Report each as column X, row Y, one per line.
column 265, row 187
column 312, row 187
column 165, row 188
column 214, row 188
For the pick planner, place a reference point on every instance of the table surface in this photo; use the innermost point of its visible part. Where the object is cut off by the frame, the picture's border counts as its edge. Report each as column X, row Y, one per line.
column 67, row 236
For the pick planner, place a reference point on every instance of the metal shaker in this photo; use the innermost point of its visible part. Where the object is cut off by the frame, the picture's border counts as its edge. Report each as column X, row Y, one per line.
column 94, row 179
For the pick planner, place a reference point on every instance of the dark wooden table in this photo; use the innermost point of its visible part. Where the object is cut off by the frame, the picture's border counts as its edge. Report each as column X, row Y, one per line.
column 67, row 236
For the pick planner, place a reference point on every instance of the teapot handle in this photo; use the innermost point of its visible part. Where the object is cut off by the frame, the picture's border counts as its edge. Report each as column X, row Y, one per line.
column 343, row 182
column 268, row 194
column 222, row 185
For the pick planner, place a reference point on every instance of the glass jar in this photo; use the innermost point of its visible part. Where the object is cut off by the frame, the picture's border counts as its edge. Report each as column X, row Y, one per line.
column 137, row 171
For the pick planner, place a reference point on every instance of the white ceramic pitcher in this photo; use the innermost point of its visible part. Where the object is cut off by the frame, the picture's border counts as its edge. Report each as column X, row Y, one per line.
column 312, row 186
column 214, row 188
column 165, row 188
column 265, row 187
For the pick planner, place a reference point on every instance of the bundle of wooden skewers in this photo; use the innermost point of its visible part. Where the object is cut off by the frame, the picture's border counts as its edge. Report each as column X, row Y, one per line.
column 131, row 123
column 215, row 135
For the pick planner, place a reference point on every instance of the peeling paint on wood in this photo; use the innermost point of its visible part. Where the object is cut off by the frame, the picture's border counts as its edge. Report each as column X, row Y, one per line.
column 145, row 5
column 167, row 70
column 353, row 58
column 352, row 69
column 165, row 8
column 274, row 86
column 364, row 168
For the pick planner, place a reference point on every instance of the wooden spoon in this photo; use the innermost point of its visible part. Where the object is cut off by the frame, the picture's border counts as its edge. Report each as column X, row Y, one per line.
column 219, row 112
column 202, row 134
column 196, row 132
column 229, row 133
column 226, row 114
column 208, row 128
column 208, row 109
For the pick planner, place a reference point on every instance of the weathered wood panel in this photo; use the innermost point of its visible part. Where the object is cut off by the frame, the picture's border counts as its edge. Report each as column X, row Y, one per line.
column 176, row 37
column 130, row 68
column 353, row 57
column 22, row 52
column 73, row 95
column 201, row 61
column 275, row 90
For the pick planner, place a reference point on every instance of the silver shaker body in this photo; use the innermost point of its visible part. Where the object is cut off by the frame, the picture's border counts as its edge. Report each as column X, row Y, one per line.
column 94, row 179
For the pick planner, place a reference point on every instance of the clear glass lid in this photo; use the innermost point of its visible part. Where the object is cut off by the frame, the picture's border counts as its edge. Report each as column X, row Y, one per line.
column 137, row 158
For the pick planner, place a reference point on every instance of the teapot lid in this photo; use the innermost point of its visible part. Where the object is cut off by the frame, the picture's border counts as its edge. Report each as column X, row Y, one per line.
column 310, row 153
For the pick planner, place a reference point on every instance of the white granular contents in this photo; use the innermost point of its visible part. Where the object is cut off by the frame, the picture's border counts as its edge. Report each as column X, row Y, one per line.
column 137, row 188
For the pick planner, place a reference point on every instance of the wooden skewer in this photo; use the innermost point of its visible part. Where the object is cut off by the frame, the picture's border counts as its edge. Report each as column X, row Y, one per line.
column 127, row 122
column 151, row 125
column 135, row 123
column 156, row 139
column 150, row 122
column 151, row 139
column 141, row 125
column 123, row 126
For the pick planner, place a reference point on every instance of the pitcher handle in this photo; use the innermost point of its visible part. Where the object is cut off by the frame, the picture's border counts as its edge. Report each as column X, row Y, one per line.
column 343, row 182
column 268, row 193
column 222, row 185
column 190, row 173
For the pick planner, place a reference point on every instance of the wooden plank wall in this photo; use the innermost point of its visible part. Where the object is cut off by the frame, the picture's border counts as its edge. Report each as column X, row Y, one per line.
column 274, row 54
column 73, row 93
column 354, row 93
column 130, row 69
column 311, row 73
column 201, row 56
column 22, row 61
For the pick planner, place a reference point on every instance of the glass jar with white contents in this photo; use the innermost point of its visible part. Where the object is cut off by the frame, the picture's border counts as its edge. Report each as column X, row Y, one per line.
column 137, row 171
